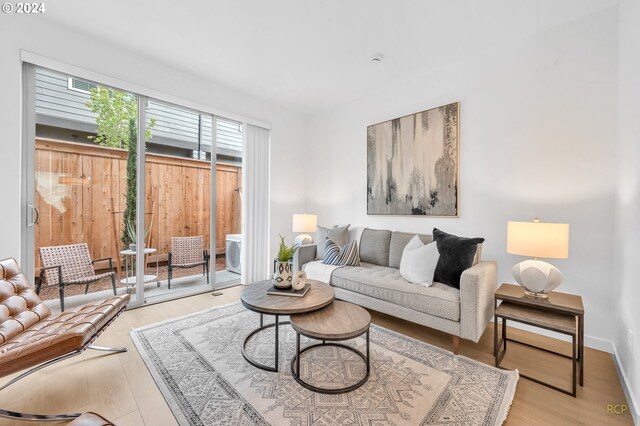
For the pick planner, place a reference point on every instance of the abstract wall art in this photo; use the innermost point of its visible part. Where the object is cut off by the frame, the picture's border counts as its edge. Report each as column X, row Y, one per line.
column 412, row 164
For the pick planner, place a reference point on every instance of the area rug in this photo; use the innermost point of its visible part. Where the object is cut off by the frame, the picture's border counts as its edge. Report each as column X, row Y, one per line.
column 197, row 363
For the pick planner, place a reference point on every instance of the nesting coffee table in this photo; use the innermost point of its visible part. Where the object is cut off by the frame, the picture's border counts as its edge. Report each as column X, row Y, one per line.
column 256, row 299
column 338, row 321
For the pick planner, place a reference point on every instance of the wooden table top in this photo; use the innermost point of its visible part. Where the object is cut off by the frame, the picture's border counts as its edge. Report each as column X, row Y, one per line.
column 338, row 321
column 255, row 298
column 557, row 302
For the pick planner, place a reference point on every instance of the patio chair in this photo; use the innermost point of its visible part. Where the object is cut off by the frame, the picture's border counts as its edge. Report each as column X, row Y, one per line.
column 70, row 265
column 188, row 252
column 33, row 338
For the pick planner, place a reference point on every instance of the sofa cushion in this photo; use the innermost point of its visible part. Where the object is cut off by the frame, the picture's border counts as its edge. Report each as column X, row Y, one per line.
column 384, row 283
column 339, row 235
column 374, row 246
column 456, row 255
column 399, row 240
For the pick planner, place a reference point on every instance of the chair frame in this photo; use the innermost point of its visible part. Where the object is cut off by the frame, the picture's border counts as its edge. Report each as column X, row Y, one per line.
column 61, row 284
column 56, row 417
column 204, row 264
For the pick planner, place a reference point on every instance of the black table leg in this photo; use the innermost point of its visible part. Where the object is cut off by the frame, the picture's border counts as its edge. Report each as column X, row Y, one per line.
column 276, row 324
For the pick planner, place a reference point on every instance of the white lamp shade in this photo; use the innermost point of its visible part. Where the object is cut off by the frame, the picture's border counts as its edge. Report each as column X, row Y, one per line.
column 538, row 239
column 305, row 223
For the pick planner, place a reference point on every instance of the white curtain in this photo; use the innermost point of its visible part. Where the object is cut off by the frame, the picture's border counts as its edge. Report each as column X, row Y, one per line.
column 255, row 204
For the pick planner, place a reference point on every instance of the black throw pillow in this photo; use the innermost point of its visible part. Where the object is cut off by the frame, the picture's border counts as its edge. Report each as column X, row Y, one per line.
column 456, row 255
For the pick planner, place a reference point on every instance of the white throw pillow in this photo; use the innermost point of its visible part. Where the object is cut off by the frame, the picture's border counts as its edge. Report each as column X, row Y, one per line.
column 418, row 262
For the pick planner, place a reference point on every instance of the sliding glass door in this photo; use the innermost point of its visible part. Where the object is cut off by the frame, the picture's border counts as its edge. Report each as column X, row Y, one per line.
column 124, row 193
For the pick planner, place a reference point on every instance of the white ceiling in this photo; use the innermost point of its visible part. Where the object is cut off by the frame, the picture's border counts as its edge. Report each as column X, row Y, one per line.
column 310, row 55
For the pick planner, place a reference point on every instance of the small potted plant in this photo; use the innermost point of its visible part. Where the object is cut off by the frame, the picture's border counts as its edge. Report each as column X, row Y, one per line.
column 282, row 276
column 132, row 235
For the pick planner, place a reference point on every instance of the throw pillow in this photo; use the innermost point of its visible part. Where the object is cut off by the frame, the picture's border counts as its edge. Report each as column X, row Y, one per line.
column 418, row 262
column 456, row 255
column 339, row 235
column 345, row 256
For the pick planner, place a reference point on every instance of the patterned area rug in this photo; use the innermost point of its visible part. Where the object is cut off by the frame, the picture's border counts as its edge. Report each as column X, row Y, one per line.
column 197, row 363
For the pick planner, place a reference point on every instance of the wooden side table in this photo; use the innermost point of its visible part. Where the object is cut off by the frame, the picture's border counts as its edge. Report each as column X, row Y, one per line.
column 560, row 312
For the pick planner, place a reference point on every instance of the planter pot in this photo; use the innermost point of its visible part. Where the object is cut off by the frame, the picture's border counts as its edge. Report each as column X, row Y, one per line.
column 132, row 247
column 282, row 276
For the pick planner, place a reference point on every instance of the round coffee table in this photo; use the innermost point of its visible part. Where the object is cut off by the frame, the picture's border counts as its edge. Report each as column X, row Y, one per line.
column 256, row 299
column 338, row 321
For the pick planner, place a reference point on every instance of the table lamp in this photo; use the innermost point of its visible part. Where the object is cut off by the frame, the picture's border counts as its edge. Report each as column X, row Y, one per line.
column 537, row 240
column 304, row 223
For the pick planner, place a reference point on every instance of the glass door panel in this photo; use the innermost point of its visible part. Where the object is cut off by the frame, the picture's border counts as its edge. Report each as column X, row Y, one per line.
column 228, row 202
column 84, row 144
column 177, row 199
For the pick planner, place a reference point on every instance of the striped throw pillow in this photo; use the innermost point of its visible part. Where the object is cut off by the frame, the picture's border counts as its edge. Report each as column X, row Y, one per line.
column 345, row 256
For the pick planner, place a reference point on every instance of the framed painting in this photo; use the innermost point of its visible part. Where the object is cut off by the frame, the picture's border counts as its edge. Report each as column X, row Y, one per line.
column 413, row 164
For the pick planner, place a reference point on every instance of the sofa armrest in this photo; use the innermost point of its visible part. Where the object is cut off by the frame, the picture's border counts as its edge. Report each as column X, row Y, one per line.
column 477, row 290
column 303, row 254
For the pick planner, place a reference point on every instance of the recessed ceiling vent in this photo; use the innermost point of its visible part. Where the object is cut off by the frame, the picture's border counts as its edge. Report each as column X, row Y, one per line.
column 377, row 58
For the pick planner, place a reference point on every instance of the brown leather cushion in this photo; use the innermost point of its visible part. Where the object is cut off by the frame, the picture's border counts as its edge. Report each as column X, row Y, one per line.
column 20, row 306
column 90, row 419
column 41, row 337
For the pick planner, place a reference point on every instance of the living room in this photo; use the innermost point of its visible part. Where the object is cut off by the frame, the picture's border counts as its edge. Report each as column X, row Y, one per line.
column 545, row 100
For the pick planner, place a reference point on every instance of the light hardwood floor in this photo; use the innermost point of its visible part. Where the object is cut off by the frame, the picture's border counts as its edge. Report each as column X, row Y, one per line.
column 121, row 388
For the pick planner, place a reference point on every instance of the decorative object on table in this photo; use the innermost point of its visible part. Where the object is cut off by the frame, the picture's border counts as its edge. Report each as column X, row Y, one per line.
column 304, row 223
column 132, row 235
column 419, row 261
column 537, row 239
column 338, row 233
column 412, row 164
column 457, row 254
column 299, row 280
column 291, row 292
column 560, row 312
column 341, row 256
column 411, row 382
column 282, row 277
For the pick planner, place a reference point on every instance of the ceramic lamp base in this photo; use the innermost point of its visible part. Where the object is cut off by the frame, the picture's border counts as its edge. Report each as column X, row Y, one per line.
column 302, row 239
column 537, row 277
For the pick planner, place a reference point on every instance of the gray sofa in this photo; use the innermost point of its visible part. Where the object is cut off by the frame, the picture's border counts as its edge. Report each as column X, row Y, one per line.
column 378, row 285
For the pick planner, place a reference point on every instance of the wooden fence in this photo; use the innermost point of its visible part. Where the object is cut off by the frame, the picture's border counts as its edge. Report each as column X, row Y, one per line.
column 76, row 183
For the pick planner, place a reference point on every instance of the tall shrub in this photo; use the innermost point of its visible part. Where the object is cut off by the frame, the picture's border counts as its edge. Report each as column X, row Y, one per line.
column 129, row 219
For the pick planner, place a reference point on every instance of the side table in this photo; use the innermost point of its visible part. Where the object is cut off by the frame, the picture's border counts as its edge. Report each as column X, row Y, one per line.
column 560, row 312
column 130, row 278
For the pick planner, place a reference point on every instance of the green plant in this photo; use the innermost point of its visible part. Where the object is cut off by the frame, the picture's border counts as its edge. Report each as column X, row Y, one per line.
column 285, row 252
column 132, row 234
column 131, row 193
column 115, row 110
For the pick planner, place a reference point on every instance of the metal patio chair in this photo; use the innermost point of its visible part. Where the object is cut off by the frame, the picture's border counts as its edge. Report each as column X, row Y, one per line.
column 188, row 252
column 70, row 265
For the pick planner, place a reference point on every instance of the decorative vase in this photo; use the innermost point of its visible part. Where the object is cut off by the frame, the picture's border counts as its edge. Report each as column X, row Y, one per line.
column 282, row 277
column 299, row 280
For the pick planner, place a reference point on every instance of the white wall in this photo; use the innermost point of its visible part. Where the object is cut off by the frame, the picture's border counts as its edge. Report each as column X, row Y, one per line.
column 34, row 34
column 627, row 247
column 538, row 132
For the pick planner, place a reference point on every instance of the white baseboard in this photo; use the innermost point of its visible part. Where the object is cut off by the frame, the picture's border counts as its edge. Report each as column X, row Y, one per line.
column 634, row 406
column 601, row 345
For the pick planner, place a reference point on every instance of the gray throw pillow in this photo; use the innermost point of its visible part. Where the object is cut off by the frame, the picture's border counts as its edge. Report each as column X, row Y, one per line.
column 338, row 234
